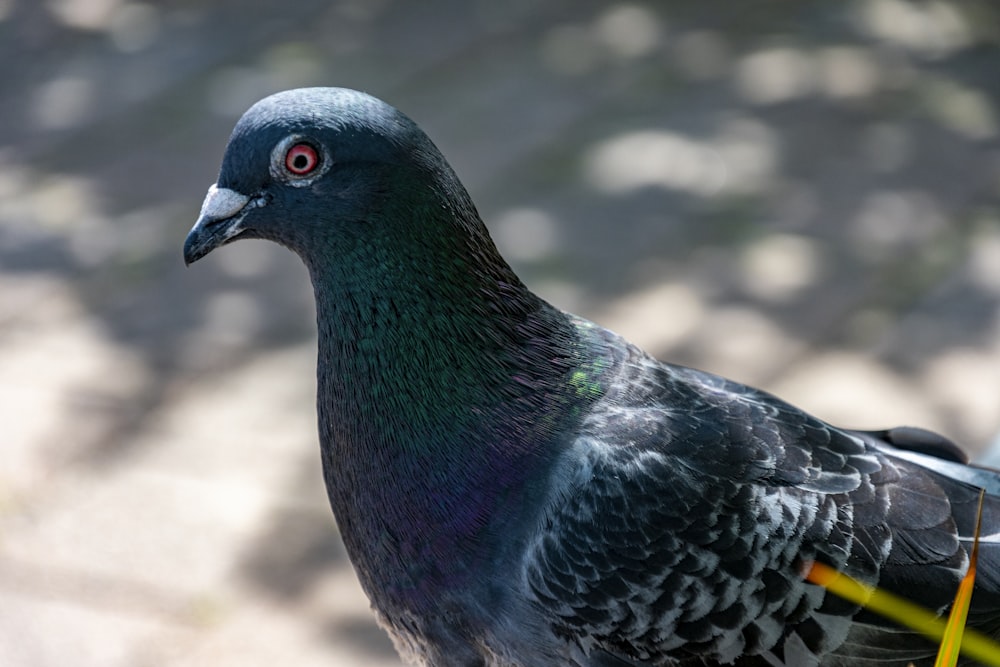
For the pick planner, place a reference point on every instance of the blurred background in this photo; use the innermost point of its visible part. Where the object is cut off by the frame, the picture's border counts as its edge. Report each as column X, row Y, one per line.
column 798, row 195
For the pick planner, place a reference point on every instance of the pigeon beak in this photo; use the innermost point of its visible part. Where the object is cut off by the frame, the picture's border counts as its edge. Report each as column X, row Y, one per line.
column 221, row 219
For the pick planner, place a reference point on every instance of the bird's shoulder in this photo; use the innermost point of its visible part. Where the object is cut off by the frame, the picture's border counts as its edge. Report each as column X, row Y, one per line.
column 704, row 425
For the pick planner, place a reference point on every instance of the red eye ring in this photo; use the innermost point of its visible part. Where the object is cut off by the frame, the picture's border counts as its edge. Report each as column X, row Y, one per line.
column 301, row 160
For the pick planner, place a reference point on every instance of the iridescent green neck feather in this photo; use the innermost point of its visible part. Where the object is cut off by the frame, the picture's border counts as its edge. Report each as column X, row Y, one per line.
column 446, row 384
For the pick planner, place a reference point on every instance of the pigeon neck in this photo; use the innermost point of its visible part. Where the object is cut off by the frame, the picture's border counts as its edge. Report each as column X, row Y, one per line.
column 440, row 406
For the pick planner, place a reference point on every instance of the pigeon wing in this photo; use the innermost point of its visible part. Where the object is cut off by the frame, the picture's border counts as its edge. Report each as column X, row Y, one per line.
column 688, row 505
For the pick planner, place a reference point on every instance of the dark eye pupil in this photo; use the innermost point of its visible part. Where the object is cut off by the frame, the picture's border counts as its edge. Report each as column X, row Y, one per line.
column 300, row 162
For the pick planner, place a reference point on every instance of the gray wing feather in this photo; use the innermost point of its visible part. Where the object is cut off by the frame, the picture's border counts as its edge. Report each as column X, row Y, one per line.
column 688, row 504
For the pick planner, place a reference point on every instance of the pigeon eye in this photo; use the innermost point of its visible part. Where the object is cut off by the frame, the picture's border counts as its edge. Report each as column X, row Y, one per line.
column 301, row 160
column 298, row 160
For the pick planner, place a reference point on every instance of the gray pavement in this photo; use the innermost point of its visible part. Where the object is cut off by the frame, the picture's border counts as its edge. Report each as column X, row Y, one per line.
column 801, row 196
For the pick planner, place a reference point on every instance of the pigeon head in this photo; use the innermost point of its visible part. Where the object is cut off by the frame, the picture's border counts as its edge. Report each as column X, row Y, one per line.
column 406, row 278
column 324, row 170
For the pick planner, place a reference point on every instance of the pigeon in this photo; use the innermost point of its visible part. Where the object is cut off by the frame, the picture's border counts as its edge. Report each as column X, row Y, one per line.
column 518, row 487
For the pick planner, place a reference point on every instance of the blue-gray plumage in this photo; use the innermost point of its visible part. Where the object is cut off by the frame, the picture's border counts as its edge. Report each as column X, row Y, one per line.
column 518, row 487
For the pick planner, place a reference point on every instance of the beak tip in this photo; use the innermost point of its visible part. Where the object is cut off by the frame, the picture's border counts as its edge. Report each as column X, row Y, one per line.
column 203, row 238
column 218, row 222
column 190, row 258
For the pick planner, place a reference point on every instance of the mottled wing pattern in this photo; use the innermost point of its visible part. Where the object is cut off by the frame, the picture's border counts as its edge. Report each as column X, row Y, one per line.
column 931, row 518
column 689, row 504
